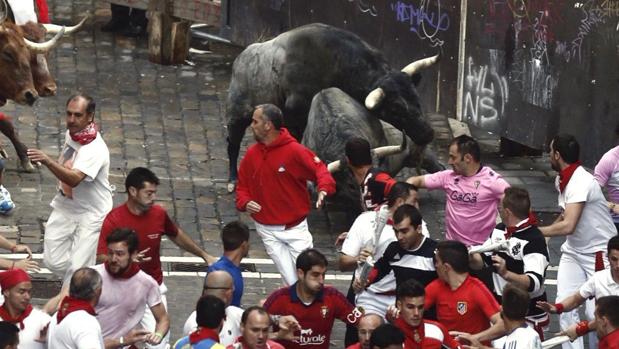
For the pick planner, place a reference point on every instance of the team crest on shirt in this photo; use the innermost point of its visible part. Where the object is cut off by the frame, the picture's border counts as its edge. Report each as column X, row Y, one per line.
column 281, row 168
column 324, row 311
column 476, row 183
column 416, row 336
column 516, row 249
column 461, row 308
column 316, row 159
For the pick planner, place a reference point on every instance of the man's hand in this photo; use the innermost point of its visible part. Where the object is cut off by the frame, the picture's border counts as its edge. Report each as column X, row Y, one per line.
column 153, row 338
column 321, row 198
column 547, row 307
column 37, row 156
column 499, row 264
column 27, row 265
column 340, row 239
column 138, row 335
column 570, row 332
column 253, row 207
column 22, row 249
column 288, row 323
column 363, row 255
column 141, row 256
column 392, row 313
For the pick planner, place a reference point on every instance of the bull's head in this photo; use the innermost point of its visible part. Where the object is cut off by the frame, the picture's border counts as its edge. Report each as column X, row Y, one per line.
column 44, row 82
column 16, row 82
column 396, row 101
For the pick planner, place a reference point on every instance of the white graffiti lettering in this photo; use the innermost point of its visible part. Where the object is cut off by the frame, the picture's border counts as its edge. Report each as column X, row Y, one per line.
column 485, row 95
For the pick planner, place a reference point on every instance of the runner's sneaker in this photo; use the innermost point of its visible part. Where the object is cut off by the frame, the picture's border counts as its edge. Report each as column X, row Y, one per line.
column 6, row 204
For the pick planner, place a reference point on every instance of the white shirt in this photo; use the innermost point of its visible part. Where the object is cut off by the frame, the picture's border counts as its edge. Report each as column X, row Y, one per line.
column 230, row 330
column 522, row 338
column 599, row 285
column 94, row 193
column 595, row 226
column 78, row 330
column 33, row 325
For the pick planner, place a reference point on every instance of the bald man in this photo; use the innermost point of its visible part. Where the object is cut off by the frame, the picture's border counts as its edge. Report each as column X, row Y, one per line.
column 220, row 284
column 366, row 326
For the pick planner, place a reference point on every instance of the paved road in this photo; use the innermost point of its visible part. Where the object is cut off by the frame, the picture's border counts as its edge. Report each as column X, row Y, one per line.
column 170, row 119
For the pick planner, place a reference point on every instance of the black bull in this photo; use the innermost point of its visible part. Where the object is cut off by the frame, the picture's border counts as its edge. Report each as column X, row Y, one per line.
column 290, row 69
column 334, row 117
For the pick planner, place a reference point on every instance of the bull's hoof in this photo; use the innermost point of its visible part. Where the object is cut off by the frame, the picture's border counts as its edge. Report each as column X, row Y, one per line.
column 231, row 187
column 26, row 165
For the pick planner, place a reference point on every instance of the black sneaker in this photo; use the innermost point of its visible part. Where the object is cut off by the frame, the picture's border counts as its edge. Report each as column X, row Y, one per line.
column 115, row 25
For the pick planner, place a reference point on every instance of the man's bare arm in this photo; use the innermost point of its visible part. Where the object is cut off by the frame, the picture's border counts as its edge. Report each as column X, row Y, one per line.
column 566, row 224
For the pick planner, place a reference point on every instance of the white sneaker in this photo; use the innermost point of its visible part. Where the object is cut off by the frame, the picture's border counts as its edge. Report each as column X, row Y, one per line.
column 6, row 204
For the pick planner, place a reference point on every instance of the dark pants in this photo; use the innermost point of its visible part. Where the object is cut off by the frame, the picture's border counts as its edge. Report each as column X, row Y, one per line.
column 125, row 13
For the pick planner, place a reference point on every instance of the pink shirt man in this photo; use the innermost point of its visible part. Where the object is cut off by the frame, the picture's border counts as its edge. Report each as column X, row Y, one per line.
column 607, row 175
column 471, row 208
column 123, row 301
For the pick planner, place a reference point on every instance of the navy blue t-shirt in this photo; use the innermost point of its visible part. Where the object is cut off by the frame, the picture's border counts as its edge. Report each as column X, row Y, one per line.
column 226, row 265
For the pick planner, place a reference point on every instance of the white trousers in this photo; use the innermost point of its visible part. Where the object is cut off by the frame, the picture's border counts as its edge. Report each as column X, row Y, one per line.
column 70, row 242
column 284, row 245
column 374, row 303
column 574, row 270
column 149, row 323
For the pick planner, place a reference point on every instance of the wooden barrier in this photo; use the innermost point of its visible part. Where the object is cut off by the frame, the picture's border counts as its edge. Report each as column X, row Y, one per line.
column 169, row 23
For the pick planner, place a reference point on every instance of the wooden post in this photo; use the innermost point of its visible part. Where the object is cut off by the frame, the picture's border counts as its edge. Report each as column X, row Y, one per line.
column 168, row 36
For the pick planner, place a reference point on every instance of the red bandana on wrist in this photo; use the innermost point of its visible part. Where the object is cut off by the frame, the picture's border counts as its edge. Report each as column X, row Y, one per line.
column 6, row 316
column 86, row 135
column 203, row 333
column 566, row 174
column 133, row 269
column 69, row 305
column 531, row 220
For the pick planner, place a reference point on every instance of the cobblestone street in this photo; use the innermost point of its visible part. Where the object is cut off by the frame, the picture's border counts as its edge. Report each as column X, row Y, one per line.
column 171, row 120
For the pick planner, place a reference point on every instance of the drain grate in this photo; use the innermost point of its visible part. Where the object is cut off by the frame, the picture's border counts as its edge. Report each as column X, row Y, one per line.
column 45, row 289
column 200, row 267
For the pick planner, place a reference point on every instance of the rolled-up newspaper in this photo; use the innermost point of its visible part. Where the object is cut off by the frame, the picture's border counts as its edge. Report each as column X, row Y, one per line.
column 555, row 341
column 495, row 246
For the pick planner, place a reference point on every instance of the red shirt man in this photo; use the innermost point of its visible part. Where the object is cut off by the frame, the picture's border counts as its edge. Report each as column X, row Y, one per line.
column 314, row 305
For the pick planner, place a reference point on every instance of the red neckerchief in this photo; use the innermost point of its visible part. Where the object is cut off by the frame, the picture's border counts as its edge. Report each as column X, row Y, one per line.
column 530, row 221
column 69, row 305
column 6, row 316
column 566, row 174
column 127, row 274
column 86, row 135
column 413, row 335
column 203, row 333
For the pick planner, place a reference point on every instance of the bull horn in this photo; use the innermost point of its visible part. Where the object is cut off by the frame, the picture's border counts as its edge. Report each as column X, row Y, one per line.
column 55, row 28
column 43, row 47
column 420, row 64
column 381, row 152
column 374, row 98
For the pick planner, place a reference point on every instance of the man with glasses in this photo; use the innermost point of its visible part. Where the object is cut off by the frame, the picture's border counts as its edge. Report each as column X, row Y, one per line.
column 84, row 193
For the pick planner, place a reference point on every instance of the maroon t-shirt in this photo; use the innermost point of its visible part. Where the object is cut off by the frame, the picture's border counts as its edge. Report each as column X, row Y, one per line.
column 149, row 227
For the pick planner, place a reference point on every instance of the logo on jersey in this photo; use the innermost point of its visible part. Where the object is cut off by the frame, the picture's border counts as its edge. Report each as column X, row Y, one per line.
column 324, row 310
column 307, row 338
column 516, row 249
column 461, row 308
column 356, row 313
column 464, row 197
column 281, row 168
column 476, row 183
column 316, row 159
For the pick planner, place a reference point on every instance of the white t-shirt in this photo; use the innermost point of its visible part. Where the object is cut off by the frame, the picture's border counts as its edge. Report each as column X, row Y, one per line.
column 33, row 325
column 124, row 301
column 94, row 193
column 599, row 285
column 522, row 338
column 230, row 330
column 595, row 226
column 78, row 330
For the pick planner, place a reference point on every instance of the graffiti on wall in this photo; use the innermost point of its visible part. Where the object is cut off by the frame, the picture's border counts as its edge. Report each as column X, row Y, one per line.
column 366, row 6
column 427, row 19
column 486, row 93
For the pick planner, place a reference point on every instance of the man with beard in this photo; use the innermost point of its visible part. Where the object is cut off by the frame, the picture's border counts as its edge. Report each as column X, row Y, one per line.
column 127, row 291
column 584, row 221
column 314, row 305
column 150, row 222
column 272, row 187
column 32, row 323
column 255, row 329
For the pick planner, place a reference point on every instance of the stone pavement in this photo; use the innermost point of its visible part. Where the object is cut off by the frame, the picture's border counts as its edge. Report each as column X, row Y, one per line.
column 171, row 119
